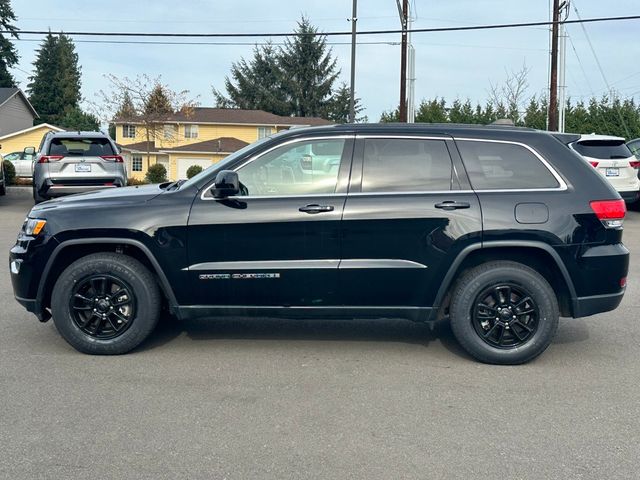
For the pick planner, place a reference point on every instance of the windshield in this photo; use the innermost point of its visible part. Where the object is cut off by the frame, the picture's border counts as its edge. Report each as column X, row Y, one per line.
column 603, row 149
column 221, row 164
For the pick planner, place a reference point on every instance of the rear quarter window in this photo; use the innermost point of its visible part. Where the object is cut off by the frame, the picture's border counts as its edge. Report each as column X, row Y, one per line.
column 504, row 166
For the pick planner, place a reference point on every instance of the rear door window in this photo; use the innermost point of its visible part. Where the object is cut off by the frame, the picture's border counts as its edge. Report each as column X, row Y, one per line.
column 504, row 166
column 81, row 147
column 603, row 149
column 406, row 165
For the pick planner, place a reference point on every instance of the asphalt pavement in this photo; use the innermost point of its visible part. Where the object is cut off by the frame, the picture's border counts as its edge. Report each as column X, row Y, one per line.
column 266, row 399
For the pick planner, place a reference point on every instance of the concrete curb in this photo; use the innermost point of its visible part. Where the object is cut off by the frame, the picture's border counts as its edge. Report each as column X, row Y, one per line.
column 19, row 191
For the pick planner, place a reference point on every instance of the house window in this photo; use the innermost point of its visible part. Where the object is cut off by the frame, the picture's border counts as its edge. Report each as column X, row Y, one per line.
column 128, row 131
column 264, row 132
column 136, row 163
column 170, row 132
column 191, row 131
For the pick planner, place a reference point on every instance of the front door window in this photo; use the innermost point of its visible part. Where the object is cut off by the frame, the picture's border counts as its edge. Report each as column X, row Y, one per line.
column 301, row 168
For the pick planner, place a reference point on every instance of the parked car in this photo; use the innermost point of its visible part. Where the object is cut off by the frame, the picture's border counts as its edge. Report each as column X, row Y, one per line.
column 22, row 162
column 634, row 146
column 613, row 160
column 75, row 162
column 498, row 229
column 3, row 181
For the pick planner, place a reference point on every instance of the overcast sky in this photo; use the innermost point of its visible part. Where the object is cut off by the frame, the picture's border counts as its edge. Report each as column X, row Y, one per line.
column 450, row 65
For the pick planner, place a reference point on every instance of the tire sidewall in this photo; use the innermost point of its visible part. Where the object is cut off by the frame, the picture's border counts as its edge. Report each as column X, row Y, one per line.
column 531, row 283
column 130, row 272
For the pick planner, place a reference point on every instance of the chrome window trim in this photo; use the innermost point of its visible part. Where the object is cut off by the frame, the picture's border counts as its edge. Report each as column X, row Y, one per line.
column 443, row 138
column 562, row 184
column 283, row 144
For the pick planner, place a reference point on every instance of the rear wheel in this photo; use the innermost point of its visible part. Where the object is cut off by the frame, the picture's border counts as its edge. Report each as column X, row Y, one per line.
column 105, row 304
column 504, row 313
column 3, row 190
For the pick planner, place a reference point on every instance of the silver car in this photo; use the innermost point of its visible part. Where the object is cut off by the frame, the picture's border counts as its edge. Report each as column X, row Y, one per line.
column 69, row 162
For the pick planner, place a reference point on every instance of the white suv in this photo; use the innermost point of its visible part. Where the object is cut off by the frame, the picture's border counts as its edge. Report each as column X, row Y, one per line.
column 613, row 160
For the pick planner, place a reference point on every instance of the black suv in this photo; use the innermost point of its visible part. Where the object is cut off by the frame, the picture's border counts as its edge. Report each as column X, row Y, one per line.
column 500, row 229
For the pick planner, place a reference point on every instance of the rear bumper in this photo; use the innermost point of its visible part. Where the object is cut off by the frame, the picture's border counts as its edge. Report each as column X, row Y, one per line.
column 60, row 188
column 631, row 196
column 585, row 306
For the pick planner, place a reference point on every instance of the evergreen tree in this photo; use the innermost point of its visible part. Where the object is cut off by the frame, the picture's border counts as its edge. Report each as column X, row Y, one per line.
column 392, row 116
column 309, row 71
column 8, row 54
column 535, row 115
column 297, row 79
column 55, row 83
column 432, row 111
column 75, row 119
column 157, row 106
column 337, row 109
column 126, row 110
column 257, row 84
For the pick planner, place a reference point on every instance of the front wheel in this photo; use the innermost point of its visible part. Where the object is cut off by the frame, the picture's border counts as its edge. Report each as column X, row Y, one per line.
column 105, row 304
column 503, row 313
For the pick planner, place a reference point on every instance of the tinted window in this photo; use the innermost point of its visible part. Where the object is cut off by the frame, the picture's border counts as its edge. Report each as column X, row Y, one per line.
column 634, row 146
column 493, row 166
column 302, row 168
column 405, row 165
column 603, row 149
column 82, row 147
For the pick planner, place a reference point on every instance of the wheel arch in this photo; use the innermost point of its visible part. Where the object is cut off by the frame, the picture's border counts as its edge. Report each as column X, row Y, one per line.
column 70, row 250
column 537, row 255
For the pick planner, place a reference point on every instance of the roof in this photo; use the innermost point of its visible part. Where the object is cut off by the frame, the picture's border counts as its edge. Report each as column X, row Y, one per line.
column 35, row 127
column 236, row 116
column 8, row 93
column 217, row 145
column 141, row 147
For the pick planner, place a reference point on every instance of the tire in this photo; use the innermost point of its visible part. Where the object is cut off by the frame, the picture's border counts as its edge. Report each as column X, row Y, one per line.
column 513, row 330
column 117, row 292
column 37, row 198
column 3, row 190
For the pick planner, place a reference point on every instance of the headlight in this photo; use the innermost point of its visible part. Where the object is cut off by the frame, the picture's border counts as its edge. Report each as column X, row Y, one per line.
column 33, row 226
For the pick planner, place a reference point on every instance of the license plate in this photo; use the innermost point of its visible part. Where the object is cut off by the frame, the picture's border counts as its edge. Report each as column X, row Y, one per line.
column 612, row 172
column 83, row 167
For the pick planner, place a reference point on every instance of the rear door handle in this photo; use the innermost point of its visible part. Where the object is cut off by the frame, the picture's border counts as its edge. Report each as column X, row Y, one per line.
column 315, row 208
column 452, row 205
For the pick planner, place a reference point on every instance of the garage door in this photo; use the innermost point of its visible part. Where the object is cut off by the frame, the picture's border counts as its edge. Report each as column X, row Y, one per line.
column 185, row 163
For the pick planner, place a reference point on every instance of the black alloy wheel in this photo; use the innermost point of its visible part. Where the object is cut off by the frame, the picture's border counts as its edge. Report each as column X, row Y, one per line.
column 103, row 306
column 505, row 316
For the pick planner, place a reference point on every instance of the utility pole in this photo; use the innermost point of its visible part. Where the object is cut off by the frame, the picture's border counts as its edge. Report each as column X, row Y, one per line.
column 553, row 83
column 562, row 61
column 352, row 99
column 411, row 95
column 403, row 11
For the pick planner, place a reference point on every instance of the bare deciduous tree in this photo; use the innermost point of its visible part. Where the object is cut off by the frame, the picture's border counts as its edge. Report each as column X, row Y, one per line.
column 510, row 96
column 143, row 101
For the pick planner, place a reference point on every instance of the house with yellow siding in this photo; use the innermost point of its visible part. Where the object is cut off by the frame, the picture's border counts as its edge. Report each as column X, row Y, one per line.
column 200, row 136
column 29, row 137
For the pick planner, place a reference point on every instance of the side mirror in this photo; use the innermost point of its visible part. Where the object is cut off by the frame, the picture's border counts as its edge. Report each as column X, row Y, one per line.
column 29, row 151
column 227, row 184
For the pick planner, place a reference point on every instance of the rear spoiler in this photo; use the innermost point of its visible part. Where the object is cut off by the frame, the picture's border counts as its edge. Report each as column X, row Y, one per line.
column 567, row 138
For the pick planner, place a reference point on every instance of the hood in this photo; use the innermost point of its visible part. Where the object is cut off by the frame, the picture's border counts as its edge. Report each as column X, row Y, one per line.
column 112, row 196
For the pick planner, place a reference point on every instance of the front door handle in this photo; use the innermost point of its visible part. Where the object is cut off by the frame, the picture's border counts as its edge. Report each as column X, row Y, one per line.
column 452, row 205
column 315, row 208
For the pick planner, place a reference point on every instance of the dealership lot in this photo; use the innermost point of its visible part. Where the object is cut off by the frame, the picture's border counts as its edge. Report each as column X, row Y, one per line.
column 309, row 399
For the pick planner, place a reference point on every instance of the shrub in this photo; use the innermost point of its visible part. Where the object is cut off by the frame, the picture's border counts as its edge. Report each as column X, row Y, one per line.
column 136, row 181
column 193, row 170
column 156, row 174
column 9, row 172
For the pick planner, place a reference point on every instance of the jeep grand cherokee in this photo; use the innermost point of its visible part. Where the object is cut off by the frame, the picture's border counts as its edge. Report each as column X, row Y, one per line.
column 500, row 229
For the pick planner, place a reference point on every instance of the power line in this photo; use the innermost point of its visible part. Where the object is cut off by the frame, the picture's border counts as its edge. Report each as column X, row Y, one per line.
column 327, row 34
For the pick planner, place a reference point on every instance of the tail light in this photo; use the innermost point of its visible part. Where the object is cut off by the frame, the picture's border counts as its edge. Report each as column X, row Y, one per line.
column 634, row 164
column 50, row 158
column 593, row 163
column 610, row 212
column 112, row 158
